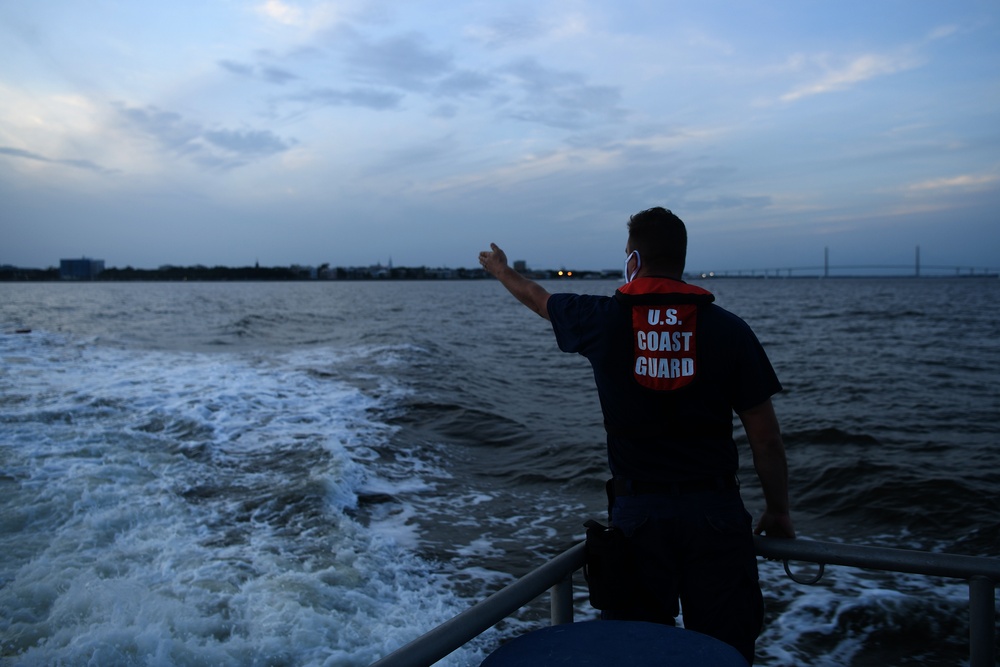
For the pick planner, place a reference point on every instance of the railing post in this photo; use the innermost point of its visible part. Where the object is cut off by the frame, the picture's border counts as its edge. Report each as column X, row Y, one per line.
column 561, row 603
column 981, row 621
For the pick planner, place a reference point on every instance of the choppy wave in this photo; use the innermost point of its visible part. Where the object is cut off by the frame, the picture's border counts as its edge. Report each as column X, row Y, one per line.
column 165, row 508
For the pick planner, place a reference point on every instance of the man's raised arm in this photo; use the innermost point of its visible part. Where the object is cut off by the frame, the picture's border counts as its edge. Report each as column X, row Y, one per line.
column 527, row 291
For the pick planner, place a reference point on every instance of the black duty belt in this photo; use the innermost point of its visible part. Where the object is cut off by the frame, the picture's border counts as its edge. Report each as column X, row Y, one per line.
column 635, row 487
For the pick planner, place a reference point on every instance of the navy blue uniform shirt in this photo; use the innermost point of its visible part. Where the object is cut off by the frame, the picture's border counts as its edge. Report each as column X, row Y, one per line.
column 679, row 435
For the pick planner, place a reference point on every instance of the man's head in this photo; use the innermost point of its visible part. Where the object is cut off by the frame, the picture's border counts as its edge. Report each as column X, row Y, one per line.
column 660, row 238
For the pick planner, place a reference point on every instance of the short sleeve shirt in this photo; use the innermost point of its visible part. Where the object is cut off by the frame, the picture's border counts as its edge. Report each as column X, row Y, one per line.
column 679, row 435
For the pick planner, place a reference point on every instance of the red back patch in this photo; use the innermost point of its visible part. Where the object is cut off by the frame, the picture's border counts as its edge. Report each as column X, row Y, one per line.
column 664, row 345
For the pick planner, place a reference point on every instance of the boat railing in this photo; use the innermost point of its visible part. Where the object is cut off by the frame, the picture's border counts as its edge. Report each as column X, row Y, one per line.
column 556, row 576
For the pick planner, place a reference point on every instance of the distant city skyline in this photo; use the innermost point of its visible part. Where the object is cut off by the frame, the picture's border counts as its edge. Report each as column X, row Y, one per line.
column 311, row 131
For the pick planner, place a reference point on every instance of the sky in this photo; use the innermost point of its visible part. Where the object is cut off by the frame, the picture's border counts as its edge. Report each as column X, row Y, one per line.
column 358, row 132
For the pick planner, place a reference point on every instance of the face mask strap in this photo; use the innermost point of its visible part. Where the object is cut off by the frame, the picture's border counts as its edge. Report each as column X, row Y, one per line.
column 638, row 263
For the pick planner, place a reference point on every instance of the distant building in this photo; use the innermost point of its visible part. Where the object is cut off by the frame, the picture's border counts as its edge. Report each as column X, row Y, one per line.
column 80, row 269
column 520, row 266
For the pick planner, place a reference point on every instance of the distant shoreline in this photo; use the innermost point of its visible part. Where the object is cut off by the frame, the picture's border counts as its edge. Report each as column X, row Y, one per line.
column 292, row 273
column 376, row 273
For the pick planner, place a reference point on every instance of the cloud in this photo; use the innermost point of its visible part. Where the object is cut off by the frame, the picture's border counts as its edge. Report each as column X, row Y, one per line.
column 167, row 127
column 516, row 29
column 266, row 73
column 728, row 202
column 702, row 41
column 281, row 12
column 963, row 182
column 861, row 68
column 561, row 99
column 316, row 16
column 507, row 31
column 86, row 165
column 392, row 67
column 304, row 20
column 423, row 155
column 217, row 148
column 404, row 61
column 236, row 68
column 571, row 162
column 251, row 143
column 369, row 98
column 389, row 69
column 942, row 32
column 464, row 82
column 276, row 75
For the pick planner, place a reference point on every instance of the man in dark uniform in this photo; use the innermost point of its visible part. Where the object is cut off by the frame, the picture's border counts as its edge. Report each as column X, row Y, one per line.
column 671, row 368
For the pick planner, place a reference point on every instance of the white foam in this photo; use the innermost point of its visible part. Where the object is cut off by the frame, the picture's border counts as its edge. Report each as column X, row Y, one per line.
column 147, row 521
column 832, row 623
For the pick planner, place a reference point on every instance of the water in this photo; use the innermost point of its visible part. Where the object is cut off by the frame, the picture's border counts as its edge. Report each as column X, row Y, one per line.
column 316, row 473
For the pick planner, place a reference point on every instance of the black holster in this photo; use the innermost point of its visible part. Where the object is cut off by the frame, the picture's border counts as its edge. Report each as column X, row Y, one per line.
column 609, row 567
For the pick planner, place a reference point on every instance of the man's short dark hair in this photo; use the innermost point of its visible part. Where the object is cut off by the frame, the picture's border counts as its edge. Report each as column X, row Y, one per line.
column 661, row 239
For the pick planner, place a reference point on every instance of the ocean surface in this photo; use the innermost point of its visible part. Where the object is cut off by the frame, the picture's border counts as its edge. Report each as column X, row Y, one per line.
column 316, row 473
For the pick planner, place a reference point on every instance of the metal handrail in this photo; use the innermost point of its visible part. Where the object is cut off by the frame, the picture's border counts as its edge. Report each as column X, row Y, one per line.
column 450, row 635
column 982, row 573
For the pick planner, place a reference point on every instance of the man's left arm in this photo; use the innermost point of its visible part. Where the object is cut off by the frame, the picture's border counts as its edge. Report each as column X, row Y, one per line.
column 764, row 434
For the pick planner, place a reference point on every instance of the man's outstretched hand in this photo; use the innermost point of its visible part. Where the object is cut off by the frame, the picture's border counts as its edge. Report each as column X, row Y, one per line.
column 493, row 261
column 528, row 292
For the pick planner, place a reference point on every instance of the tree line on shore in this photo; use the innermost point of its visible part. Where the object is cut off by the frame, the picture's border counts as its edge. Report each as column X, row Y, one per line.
column 223, row 273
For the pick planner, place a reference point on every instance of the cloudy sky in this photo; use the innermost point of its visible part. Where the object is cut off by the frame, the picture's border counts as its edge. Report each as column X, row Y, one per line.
column 353, row 132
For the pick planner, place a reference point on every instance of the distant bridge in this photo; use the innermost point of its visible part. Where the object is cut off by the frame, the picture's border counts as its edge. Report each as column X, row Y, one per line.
column 857, row 271
column 827, row 270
